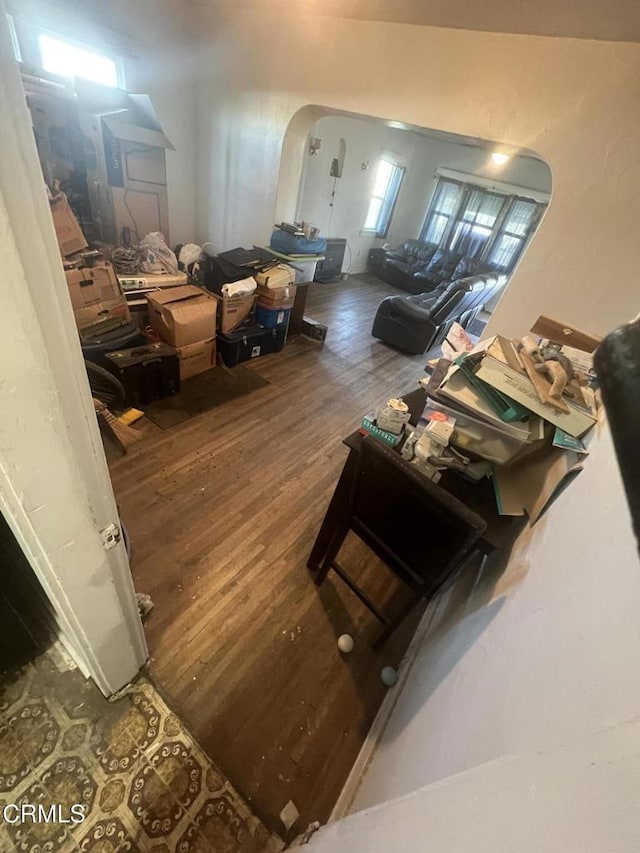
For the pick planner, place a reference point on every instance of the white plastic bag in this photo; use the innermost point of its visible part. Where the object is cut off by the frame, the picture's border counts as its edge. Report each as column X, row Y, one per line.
column 157, row 257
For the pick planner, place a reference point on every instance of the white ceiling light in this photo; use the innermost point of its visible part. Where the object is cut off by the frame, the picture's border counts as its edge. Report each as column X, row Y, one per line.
column 499, row 158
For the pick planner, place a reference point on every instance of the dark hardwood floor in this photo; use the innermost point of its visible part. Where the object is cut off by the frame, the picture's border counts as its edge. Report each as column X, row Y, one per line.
column 222, row 512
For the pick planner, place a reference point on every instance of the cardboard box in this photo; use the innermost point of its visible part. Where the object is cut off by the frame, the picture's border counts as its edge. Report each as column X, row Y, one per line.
column 234, row 310
column 280, row 276
column 532, row 483
column 196, row 358
column 68, row 231
column 96, row 297
column 277, row 297
column 183, row 315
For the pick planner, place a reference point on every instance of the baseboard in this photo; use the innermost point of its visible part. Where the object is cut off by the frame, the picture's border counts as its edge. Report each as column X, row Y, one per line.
column 438, row 611
column 348, row 794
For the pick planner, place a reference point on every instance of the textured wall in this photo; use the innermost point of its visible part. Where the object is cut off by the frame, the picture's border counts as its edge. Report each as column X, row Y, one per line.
column 367, row 141
column 573, row 102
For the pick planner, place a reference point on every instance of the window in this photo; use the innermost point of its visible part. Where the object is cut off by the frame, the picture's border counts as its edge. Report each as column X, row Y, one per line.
column 383, row 199
column 480, row 223
column 522, row 217
column 443, row 205
column 475, row 222
column 66, row 58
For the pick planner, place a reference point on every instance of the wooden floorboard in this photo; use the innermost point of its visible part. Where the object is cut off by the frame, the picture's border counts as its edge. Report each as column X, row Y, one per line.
column 222, row 512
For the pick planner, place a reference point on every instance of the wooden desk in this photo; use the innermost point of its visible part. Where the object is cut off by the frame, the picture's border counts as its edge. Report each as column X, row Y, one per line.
column 479, row 497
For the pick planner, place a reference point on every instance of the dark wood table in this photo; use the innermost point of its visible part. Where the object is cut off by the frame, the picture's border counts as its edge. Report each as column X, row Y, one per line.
column 479, row 496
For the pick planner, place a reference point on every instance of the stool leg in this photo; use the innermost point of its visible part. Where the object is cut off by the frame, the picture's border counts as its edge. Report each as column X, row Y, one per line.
column 336, row 543
column 388, row 630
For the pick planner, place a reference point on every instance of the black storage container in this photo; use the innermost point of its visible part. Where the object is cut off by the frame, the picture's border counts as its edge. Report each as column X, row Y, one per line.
column 147, row 373
column 250, row 342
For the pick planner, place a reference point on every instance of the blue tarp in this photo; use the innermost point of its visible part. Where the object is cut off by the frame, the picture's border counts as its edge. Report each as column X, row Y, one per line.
column 287, row 244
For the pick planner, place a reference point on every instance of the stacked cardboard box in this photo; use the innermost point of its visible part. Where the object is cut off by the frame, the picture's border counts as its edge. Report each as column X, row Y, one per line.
column 68, row 232
column 276, row 288
column 96, row 298
column 185, row 318
column 236, row 310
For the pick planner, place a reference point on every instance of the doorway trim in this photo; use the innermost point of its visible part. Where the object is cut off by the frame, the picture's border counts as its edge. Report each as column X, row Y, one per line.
column 55, row 489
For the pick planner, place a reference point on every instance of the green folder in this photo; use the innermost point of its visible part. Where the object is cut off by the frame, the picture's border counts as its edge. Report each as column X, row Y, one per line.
column 506, row 408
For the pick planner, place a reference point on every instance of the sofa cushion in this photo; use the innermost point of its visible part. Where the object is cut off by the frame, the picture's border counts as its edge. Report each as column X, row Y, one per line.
column 470, row 266
column 443, row 262
column 399, row 266
column 423, row 274
column 425, row 254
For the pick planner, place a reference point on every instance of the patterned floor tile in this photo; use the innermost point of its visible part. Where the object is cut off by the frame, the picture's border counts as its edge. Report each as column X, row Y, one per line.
column 42, row 836
column 108, row 836
column 29, row 734
column 118, row 744
column 144, row 783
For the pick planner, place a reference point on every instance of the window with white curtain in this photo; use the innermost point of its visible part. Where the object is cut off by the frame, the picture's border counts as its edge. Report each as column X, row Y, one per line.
column 444, row 204
column 383, row 199
column 480, row 223
column 475, row 221
column 522, row 217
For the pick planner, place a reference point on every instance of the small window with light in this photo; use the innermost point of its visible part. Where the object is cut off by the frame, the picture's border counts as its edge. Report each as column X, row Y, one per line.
column 383, row 199
column 64, row 58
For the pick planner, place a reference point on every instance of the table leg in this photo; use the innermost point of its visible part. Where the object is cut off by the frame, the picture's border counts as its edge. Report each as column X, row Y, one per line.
column 335, row 514
column 297, row 311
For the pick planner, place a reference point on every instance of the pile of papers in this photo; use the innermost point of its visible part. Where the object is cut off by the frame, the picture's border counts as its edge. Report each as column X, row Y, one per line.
column 503, row 416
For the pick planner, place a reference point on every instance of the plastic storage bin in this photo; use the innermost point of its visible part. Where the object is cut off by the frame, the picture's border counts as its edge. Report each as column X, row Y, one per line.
column 271, row 318
column 250, row 342
column 477, row 436
column 305, row 270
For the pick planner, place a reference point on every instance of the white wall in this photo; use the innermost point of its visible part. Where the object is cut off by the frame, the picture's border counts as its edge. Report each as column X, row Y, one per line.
column 366, row 141
column 582, row 798
column 517, row 727
column 552, row 661
column 155, row 41
column 572, row 101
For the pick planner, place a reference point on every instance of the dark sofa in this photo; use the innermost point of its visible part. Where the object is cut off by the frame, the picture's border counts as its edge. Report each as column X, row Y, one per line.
column 415, row 323
column 417, row 267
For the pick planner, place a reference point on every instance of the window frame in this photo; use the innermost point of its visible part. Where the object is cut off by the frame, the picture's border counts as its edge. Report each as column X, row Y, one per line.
column 498, row 230
column 503, row 231
column 388, row 206
column 459, row 217
column 73, row 42
column 433, row 211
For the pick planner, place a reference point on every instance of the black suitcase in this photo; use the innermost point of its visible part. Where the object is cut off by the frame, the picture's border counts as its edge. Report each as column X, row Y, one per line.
column 250, row 342
column 124, row 337
column 147, row 373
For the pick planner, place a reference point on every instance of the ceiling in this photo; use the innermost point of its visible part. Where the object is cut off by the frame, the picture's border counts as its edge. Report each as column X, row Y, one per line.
column 442, row 135
column 606, row 20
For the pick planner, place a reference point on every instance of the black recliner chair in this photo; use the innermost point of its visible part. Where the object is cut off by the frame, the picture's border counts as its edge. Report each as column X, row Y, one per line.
column 414, row 324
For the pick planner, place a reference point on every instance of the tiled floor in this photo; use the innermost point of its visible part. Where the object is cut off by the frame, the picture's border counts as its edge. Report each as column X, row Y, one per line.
column 143, row 781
